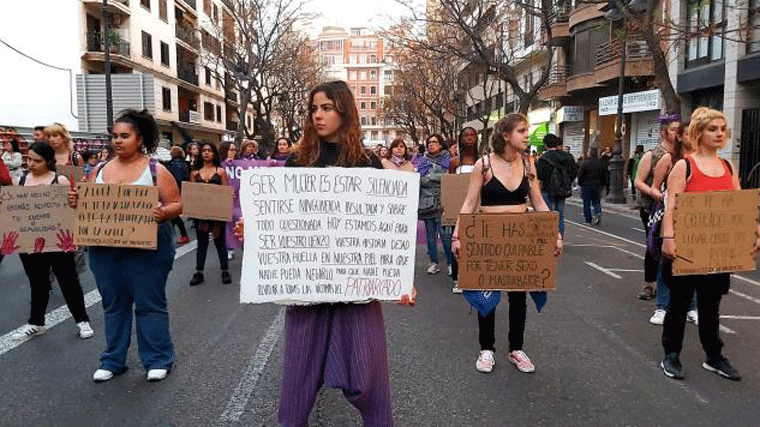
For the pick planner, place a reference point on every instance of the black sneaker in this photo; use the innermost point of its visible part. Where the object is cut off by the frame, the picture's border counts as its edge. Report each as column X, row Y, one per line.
column 720, row 366
column 197, row 279
column 671, row 366
column 226, row 279
column 647, row 292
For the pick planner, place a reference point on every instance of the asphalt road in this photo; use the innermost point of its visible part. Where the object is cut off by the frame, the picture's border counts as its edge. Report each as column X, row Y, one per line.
column 595, row 352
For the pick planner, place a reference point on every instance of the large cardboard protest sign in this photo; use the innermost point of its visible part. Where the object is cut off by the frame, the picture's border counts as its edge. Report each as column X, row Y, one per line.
column 116, row 215
column 207, row 201
column 508, row 252
column 328, row 235
column 453, row 193
column 35, row 219
column 75, row 172
column 715, row 232
column 234, row 169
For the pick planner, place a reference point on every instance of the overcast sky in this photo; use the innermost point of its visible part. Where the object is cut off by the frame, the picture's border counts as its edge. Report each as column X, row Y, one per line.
column 373, row 14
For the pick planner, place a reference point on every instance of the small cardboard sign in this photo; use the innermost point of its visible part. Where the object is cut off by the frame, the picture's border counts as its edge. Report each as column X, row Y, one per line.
column 35, row 219
column 68, row 171
column 116, row 215
column 715, row 232
column 508, row 252
column 453, row 193
column 327, row 235
column 207, row 201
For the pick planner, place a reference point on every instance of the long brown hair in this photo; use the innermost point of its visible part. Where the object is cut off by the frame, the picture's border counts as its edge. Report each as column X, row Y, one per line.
column 350, row 146
column 506, row 124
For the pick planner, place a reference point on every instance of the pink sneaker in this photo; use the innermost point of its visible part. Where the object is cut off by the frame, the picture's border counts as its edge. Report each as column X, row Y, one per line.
column 485, row 361
column 521, row 361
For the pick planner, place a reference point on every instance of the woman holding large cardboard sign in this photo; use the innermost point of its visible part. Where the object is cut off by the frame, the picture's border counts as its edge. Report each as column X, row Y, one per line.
column 703, row 171
column 41, row 162
column 336, row 345
column 127, row 276
column 491, row 179
column 208, row 170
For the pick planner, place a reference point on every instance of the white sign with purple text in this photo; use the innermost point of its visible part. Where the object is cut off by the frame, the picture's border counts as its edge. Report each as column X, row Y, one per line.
column 318, row 235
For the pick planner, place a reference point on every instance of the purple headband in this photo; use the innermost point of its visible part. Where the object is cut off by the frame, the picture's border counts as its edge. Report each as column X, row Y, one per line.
column 669, row 118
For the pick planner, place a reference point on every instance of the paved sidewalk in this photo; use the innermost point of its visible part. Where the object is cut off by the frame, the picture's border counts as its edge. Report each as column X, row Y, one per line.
column 628, row 209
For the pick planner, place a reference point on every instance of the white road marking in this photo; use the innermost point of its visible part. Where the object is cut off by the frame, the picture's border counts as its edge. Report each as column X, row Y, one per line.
column 625, row 251
column 626, row 270
column 638, row 229
column 606, row 233
column 750, row 281
column 745, row 296
column 726, row 330
column 239, row 399
column 603, row 270
column 60, row 314
column 737, row 317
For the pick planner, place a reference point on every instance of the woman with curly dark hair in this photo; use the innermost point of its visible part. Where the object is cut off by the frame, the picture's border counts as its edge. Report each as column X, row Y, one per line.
column 129, row 277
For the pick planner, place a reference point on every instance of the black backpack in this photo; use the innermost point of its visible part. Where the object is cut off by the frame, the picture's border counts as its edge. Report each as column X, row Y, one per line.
column 560, row 184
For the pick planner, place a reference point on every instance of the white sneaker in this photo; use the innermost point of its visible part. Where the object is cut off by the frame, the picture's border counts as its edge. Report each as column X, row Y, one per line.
column 456, row 289
column 485, row 361
column 450, row 273
column 658, row 318
column 29, row 331
column 157, row 374
column 230, row 255
column 433, row 269
column 102, row 375
column 521, row 361
column 693, row 317
column 85, row 331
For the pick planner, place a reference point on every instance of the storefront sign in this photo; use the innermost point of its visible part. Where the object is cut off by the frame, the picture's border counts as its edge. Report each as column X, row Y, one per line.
column 570, row 113
column 632, row 102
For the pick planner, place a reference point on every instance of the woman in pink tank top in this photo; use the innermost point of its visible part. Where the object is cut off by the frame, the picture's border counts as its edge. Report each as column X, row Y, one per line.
column 702, row 171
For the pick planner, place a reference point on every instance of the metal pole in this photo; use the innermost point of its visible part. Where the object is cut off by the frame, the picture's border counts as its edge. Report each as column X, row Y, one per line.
column 107, row 65
column 616, row 162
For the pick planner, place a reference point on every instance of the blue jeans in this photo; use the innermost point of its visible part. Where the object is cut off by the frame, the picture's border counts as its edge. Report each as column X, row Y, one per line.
column 432, row 231
column 128, row 277
column 557, row 205
column 663, row 293
column 590, row 196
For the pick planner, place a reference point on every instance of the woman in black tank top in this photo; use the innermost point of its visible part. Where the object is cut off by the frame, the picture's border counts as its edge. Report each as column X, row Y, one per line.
column 503, row 181
column 207, row 169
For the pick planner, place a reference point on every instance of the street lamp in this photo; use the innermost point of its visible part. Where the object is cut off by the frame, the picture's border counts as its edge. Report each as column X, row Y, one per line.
column 616, row 162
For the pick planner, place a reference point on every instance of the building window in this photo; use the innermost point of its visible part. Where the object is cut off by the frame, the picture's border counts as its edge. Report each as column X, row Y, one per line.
column 147, row 45
column 166, row 96
column 164, row 54
column 387, row 90
column 207, row 7
column 145, row 4
column 363, row 90
column 373, row 59
column 208, row 111
column 705, row 24
column 373, row 105
column 754, row 24
column 373, row 90
column 529, row 26
column 218, row 114
column 373, row 134
column 208, row 76
column 362, row 105
column 373, row 121
column 363, row 120
column 373, row 74
column 162, row 11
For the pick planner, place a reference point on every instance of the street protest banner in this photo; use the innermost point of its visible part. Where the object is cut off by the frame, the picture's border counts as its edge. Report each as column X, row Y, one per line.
column 328, row 235
column 508, row 252
column 36, row 219
column 715, row 231
column 70, row 171
column 453, row 193
column 207, row 201
column 116, row 215
column 234, row 170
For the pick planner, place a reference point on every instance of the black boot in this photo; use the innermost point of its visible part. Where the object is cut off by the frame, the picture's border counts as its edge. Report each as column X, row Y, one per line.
column 226, row 279
column 197, row 279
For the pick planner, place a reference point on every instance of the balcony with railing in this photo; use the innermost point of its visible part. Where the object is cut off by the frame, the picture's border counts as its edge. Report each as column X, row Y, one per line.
column 189, row 4
column 584, row 11
column 119, row 7
column 556, row 84
column 190, row 116
column 187, row 35
column 117, row 45
column 559, row 17
column 638, row 61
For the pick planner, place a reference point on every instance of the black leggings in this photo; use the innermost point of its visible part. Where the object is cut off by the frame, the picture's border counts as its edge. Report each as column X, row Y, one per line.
column 181, row 225
column 221, row 250
column 37, row 268
column 650, row 264
column 517, row 312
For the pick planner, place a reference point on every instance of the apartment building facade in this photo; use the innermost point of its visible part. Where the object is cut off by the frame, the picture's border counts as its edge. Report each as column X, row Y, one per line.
column 157, row 62
column 359, row 57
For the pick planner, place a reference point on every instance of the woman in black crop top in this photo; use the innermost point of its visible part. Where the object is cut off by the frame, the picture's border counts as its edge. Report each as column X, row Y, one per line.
column 503, row 181
column 207, row 169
